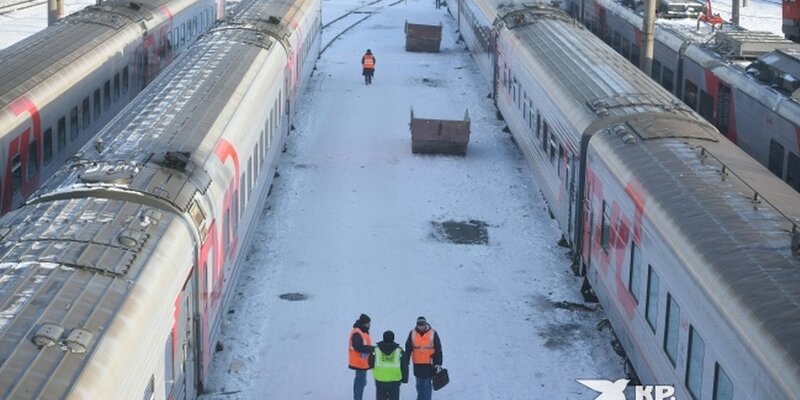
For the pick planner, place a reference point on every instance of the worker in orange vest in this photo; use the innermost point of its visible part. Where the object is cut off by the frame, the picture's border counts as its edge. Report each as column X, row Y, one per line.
column 425, row 350
column 368, row 63
column 360, row 349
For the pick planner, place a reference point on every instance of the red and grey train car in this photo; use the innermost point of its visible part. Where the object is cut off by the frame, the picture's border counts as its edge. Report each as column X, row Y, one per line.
column 691, row 246
column 115, row 274
column 58, row 87
column 709, row 71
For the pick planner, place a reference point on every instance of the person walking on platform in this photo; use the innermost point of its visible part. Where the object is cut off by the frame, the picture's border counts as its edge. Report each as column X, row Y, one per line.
column 389, row 368
column 368, row 63
column 360, row 349
column 425, row 351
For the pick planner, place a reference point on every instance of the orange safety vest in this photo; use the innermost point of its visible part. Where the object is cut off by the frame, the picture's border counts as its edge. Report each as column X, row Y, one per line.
column 422, row 352
column 359, row 360
column 369, row 61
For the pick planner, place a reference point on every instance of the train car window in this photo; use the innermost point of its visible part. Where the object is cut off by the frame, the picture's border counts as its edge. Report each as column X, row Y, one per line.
column 169, row 367
column 236, row 216
column 61, row 134
column 656, row 73
column 116, row 87
column 671, row 329
column 33, row 160
column 605, row 233
column 723, row 388
column 125, row 80
column 635, row 54
column 183, row 34
column 538, row 125
column 243, row 198
column 87, row 113
column 97, row 109
column 107, row 95
column 264, row 143
column 226, row 231
column 668, row 79
column 775, row 163
column 706, row 105
column 793, row 171
column 635, row 272
column 47, row 146
column 690, row 95
column 616, row 42
column 257, row 155
column 694, row 364
column 545, row 135
column 73, row 123
column 560, row 158
column 149, row 390
column 723, row 108
column 16, row 173
column 626, row 49
column 651, row 306
column 552, row 150
column 249, row 177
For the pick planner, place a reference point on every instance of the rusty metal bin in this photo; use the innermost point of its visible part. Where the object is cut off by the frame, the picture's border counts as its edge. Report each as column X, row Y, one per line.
column 424, row 38
column 439, row 136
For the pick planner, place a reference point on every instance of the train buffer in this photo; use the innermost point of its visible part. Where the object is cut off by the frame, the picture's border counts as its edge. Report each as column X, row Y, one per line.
column 439, row 136
column 423, row 38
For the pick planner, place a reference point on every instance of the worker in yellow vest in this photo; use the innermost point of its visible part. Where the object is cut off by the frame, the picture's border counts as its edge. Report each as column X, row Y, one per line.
column 389, row 368
column 425, row 351
column 360, row 347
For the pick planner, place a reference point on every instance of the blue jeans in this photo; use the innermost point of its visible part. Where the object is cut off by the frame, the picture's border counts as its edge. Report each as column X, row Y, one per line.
column 359, row 383
column 424, row 388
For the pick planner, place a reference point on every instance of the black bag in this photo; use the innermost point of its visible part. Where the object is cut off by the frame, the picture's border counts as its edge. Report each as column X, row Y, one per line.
column 440, row 379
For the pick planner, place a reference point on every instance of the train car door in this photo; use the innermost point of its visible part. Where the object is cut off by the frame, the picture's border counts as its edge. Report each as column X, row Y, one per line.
column 572, row 195
column 188, row 369
column 588, row 228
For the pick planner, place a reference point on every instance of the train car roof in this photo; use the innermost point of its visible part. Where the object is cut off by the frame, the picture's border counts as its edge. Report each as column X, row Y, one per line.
column 158, row 123
column 733, row 226
column 608, row 86
column 31, row 61
column 65, row 269
column 739, row 246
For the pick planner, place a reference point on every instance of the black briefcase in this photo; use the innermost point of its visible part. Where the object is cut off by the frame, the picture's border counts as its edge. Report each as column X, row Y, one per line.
column 440, row 379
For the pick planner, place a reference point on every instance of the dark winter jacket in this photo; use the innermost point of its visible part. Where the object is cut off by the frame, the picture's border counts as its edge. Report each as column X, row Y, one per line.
column 387, row 348
column 358, row 344
column 425, row 370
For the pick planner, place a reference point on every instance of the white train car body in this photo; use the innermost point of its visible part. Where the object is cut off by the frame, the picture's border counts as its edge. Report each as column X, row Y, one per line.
column 116, row 275
column 691, row 246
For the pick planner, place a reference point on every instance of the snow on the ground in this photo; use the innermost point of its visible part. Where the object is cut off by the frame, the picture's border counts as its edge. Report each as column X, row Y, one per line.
column 350, row 225
column 23, row 23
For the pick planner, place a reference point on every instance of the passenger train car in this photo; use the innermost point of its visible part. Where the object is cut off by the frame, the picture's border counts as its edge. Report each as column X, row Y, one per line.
column 691, row 246
column 711, row 72
column 116, row 273
column 58, row 87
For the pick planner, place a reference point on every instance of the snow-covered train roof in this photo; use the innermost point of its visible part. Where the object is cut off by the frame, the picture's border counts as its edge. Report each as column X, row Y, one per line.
column 157, row 125
column 65, row 269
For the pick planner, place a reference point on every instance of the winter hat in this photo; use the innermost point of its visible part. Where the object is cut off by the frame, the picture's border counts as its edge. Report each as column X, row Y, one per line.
column 363, row 319
column 369, row 51
column 422, row 321
column 388, row 336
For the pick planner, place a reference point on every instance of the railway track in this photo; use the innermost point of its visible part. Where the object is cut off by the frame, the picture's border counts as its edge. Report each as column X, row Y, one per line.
column 338, row 26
